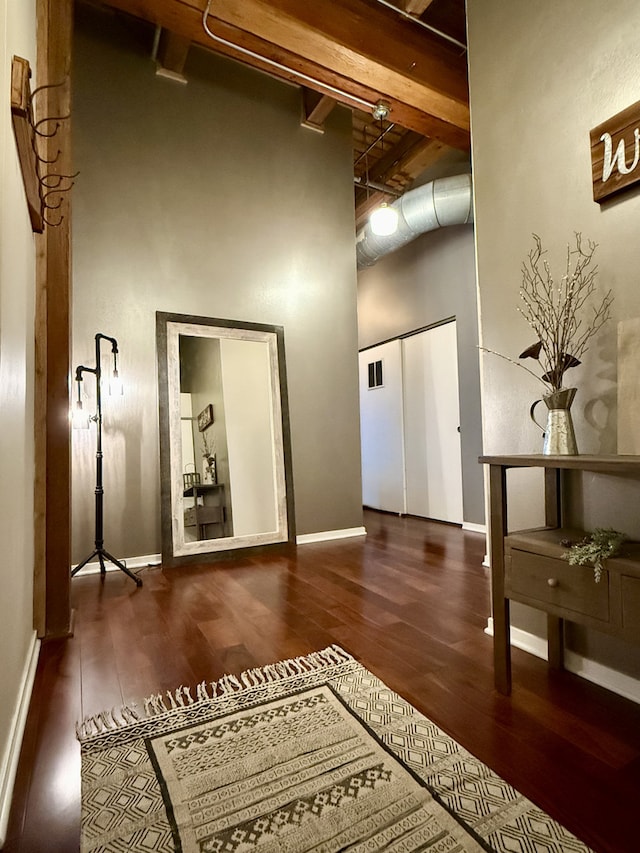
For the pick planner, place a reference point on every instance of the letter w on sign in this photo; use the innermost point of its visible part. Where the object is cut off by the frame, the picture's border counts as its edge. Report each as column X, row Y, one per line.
column 615, row 153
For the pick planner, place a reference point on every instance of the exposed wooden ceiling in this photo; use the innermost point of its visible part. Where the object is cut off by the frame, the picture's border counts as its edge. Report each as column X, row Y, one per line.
column 408, row 54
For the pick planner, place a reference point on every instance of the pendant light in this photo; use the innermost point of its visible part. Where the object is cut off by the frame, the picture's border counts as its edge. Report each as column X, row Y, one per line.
column 384, row 219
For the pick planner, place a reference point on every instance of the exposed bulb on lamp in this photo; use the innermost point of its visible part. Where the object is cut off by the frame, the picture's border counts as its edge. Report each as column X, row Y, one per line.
column 79, row 418
column 384, row 220
column 116, row 388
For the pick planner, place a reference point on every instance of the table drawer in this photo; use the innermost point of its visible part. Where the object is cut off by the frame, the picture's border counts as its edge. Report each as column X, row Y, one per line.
column 210, row 514
column 203, row 515
column 554, row 582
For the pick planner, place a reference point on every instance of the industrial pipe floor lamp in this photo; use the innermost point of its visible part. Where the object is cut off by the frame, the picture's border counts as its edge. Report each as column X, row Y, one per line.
column 99, row 550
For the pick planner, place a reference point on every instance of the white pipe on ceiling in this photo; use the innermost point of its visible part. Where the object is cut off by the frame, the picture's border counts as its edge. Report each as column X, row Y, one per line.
column 272, row 63
column 423, row 24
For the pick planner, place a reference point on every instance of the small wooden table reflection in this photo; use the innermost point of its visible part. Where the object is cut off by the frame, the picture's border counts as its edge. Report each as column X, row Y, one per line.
column 211, row 511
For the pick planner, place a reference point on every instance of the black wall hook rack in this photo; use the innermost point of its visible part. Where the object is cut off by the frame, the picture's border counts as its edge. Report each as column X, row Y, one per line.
column 44, row 187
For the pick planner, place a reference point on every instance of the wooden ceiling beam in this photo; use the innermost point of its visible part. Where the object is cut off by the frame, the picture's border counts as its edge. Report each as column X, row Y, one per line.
column 386, row 165
column 402, row 164
column 420, row 157
column 172, row 53
column 415, row 7
column 366, row 51
column 315, row 108
column 362, row 43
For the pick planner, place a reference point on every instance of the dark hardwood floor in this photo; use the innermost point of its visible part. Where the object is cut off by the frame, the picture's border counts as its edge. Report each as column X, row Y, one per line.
column 410, row 601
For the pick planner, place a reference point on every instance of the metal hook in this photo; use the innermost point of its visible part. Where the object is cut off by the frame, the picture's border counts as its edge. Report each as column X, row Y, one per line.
column 39, row 157
column 48, row 221
column 51, row 181
column 39, row 89
column 47, row 181
column 46, row 202
column 43, row 121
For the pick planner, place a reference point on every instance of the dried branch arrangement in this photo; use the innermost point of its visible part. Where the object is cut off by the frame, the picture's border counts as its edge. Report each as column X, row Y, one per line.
column 562, row 315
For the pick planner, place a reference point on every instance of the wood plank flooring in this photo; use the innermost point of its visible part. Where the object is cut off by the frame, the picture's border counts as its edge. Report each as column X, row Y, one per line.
column 410, row 601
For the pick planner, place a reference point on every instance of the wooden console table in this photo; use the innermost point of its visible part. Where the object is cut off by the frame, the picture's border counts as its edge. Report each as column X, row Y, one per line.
column 541, row 578
column 208, row 512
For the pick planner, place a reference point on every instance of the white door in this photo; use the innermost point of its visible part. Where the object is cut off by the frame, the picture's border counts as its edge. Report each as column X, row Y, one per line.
column 246, row 385
column 381, row 427
column 433, row 465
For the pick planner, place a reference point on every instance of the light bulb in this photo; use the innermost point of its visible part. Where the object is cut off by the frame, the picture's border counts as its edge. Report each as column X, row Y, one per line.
column 116, row 389
column 384, row 221
column 79, row 418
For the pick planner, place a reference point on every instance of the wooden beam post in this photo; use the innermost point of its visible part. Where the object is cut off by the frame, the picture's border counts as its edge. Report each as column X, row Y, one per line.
column 52, row 580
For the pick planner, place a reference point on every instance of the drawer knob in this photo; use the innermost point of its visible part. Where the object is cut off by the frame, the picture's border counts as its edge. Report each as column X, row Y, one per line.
column 552, row 582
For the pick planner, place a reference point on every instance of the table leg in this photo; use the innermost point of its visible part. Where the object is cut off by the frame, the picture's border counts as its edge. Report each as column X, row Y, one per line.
column 555, row 641
column 500, row 604
column 552, row 497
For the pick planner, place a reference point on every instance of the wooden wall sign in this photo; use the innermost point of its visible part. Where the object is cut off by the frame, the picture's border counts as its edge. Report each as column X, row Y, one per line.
column 615, row 153
column 22, row 120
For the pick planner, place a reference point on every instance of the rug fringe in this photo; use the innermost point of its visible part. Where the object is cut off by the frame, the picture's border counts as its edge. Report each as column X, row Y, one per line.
column 159, row 703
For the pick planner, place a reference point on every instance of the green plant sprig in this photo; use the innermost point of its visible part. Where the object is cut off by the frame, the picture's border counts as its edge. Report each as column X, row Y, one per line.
column 594, row 549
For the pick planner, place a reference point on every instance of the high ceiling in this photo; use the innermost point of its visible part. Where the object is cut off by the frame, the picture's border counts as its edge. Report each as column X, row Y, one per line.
column 408, row 54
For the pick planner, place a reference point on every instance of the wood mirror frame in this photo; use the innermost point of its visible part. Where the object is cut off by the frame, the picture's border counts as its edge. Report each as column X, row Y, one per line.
column 177, row 547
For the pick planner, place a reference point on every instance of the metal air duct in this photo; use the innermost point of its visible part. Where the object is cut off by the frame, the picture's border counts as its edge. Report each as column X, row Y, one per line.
column 445, row 201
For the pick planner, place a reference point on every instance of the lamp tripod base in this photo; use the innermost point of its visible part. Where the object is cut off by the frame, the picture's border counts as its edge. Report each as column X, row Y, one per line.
column 103, row 555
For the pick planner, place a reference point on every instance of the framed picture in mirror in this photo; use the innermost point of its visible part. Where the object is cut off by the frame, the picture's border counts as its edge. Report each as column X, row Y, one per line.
column 205, row 418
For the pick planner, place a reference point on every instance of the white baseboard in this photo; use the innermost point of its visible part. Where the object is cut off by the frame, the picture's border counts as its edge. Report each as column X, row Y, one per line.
column 130, row 562
column 327, row 535
column 472, row 527
column 597, row 673
column 9, row 764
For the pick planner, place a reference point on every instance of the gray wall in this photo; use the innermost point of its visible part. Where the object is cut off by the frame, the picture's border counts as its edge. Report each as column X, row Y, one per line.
column 209, row 199
column 428, row 280
column 17, row 299
column 541, row 76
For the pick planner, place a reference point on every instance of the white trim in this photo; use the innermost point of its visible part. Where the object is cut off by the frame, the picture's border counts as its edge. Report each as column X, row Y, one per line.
column 326, row 535
column 597, row 673
column 130, row 562
column 523, row 640
column 472, row 527
column 14, row 741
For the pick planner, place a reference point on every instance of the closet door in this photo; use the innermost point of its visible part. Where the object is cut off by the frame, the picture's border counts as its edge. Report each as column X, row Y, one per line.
column 433, row 466
column 381, row 427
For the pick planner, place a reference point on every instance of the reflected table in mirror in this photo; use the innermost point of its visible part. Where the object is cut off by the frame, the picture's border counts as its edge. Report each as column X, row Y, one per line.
column 208, row 514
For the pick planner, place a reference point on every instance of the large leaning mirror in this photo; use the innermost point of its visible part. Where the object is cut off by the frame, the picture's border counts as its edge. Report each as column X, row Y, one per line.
column 225, row 467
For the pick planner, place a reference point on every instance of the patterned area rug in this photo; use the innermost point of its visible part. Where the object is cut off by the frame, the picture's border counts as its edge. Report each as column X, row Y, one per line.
column 311, row 754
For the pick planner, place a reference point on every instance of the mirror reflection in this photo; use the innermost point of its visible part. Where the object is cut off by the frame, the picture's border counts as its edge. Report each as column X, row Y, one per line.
column 224, row 482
